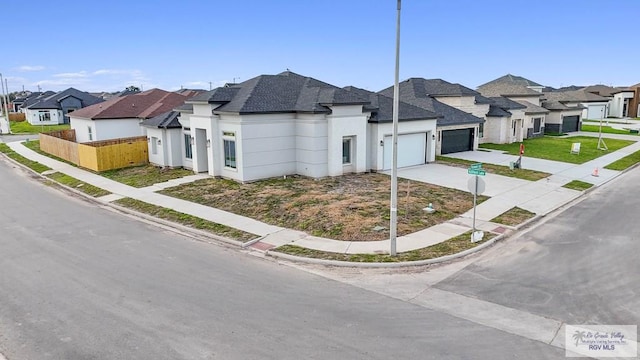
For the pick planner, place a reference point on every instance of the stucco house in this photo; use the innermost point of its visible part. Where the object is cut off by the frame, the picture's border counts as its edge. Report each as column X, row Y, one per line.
column 164, row 133
column 625, row 102
column 524, row 92
column 55, row 109
column 504, row 122
column 284, row 124
column 457, row 130
column 120, row 117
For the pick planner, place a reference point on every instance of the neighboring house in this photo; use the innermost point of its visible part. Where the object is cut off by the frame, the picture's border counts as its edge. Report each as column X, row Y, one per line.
column 55, row 109
column 504, row 122
column 568, row 108
column 284, row 124
column 525, row 92
column 164, row 133
column 625, row 102
column 31, row 99
column 120, row 117
column 457, row 129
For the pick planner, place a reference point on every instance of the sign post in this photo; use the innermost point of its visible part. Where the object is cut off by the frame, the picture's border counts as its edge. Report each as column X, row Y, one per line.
column 476, row 186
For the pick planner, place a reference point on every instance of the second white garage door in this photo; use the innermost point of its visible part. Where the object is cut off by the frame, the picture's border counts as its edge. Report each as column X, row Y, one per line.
column 411, row 150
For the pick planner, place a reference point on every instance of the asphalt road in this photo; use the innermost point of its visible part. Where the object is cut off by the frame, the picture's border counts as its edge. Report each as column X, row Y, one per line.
column 580, row 267
column 81, row 282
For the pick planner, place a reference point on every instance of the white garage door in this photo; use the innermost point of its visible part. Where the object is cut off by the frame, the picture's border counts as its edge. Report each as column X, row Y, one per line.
column 411, row 150
column 596, row 112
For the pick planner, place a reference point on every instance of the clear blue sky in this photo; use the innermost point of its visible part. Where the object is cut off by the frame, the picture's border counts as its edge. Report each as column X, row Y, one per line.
column 108, row 45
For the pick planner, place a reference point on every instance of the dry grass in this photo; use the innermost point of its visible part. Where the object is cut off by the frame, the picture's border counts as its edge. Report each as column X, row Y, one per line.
column 343, row 208
column 513, row 216
column 449, row 247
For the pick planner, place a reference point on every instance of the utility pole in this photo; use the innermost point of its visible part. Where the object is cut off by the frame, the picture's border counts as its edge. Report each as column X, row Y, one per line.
column 393, row 231
column 6, row 101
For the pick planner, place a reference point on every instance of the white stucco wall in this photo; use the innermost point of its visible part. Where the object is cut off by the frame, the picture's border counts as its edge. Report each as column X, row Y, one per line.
column 617, row 103
column 496, row 130
column 466, row 104
column 106, row 129
column 346, row 121
column 33, row 117
column 153, row 135
column 595, row 111
column 311, row 145
column 378, row 131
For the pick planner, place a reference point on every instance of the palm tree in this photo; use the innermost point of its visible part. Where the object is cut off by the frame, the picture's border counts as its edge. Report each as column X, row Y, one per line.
column 578, row 336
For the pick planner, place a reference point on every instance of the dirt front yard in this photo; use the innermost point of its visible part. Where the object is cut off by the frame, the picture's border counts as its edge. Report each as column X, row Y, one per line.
column 351, row 207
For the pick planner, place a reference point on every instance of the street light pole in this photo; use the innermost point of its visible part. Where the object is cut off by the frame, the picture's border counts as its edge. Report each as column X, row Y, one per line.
column 5, row 96
column 393, row 231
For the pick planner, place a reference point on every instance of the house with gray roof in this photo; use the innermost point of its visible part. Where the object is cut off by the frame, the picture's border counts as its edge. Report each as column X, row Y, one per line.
column 55, row 108
column 531, row 121
column 285, row 124
column 569, row 108
column 461, row 111
column 164, row 133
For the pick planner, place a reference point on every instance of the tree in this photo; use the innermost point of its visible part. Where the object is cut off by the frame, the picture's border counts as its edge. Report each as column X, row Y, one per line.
column 132, row 88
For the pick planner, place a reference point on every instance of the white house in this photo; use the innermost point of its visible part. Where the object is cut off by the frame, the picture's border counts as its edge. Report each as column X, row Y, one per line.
column 620, row 104
column 55, row 108
column 525, row 92
column 457, row 130
column 120, row 117
column 164, row 133
column 284, row 124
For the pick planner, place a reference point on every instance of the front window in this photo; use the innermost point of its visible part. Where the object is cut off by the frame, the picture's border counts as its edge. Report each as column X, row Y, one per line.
column 346, row 151
column 230, row 153
column 90, row 132
column 481, row 130
column 187, row 146
column 44, row 116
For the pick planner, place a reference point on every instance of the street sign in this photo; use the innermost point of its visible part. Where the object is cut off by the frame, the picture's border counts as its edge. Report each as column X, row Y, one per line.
column 473, row 171
column 476, row 166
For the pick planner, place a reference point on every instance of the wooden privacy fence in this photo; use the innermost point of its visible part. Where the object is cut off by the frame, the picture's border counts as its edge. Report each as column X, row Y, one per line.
column 114, row 154
column 97, row 155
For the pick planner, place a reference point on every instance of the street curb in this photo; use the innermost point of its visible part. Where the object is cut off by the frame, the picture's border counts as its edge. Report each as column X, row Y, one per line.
column 339, row 263
column 166, row 224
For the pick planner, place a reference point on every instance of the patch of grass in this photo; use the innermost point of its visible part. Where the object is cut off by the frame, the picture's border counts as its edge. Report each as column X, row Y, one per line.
column 625, row 162
column 524, row 174
column 33, row 165
column 577, row 185
column 35, row 146
column 344, row 208
column 605, row 129
column 559, row 149
column 146, row 175
column 448, row 247
column 23, row 127
column 186, row 219
column 78, row 185
column 513, row 216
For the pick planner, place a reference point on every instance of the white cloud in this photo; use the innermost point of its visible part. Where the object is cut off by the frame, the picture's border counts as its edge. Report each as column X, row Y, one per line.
column 74, row 75
column 30, row 68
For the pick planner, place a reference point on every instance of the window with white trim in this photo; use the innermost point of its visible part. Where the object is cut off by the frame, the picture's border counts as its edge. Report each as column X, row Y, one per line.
column 229, row 153
column 481, row 130
column 90, row 132
column 44, row 115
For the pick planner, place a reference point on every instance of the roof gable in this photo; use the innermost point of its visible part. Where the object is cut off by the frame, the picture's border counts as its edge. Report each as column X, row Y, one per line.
column 381, row 107
column 53, row 100
column 142, row 105
column 282, row 93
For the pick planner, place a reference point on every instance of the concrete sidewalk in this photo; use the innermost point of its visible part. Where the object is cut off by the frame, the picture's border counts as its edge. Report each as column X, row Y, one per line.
column 539, row 197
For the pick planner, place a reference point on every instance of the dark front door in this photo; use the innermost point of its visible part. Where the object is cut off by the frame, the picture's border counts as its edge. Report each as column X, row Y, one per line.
column 456, row 141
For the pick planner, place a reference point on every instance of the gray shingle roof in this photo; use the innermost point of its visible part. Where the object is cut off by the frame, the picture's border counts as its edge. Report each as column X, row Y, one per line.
column 382, row 107
column 35, row 97
column 533, row 108
column 513, row 79
column 505, row 89
column 284, row 92
column 439, row 87
column 573, row 96
column 483, row 100
column 166, row 120
column 506, row 103
column 497, row 111
column 415, row 95
column 53, row 101
column 602, row 90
